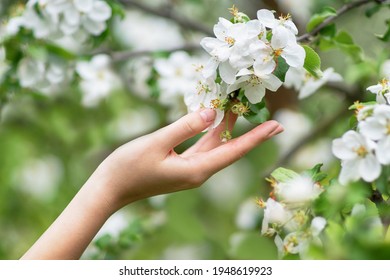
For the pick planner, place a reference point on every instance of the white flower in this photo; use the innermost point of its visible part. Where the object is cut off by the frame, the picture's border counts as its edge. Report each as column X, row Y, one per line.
column 382, row 91
column 377, row 128
column 98, row 80
column 207, row 94
column 230, row 48
column 283, row 25
column 91, row 15
column 358, row 159
column 280, row 45
column 298, row 190
column 317, row 225
column 385, row 69
column 306, row 84
column 57, row 18
column 45, row 76
column 177, row 76
column 248, row 215
column 274, row 213
column 255, row 84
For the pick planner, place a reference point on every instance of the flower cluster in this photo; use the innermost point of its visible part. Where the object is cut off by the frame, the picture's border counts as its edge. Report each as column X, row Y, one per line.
column 46, row 76
column 98, row 79
column 363, row 151
column 178, row 76
column 59, row 18
column 288, row 214
column 244, row 56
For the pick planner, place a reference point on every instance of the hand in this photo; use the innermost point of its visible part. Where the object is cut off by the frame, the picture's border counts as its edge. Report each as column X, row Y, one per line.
column 141, row 168
column 149, row 165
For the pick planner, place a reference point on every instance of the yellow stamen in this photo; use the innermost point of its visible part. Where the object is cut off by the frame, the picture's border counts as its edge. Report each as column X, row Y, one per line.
column 361, row 151
column 233, row 10
column 230, row 40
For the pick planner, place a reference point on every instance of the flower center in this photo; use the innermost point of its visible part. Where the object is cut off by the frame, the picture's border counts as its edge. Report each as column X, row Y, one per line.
column 254, row 80
column 278, row 52
column 284, row 18
column 202, row 88
column 230, row 40
column 361, row 151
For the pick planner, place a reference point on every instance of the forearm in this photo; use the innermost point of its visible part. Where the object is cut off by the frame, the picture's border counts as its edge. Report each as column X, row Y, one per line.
column 74, row 229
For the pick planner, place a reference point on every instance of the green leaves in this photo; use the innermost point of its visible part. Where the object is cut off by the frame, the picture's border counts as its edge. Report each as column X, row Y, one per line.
column 312, row 62
column 281, row 69
column 258, row 113
column 317, row 19
column 386, row 36
column 284, row 175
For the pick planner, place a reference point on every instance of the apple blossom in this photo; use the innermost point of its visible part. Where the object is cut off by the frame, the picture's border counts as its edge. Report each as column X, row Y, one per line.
column 376, row 127
column 301, row 189
column 307, row 84
column 358, row 159
column 274, row 213
column 98, row 80
column 382, row 91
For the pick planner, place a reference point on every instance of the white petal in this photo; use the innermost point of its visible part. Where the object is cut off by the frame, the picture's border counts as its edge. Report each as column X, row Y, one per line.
column 279, row 39
column 372, row 129
column 101, row 11
column 375, row 89
column 294, row 78
column 349, row 172
column 264, row 65
column 210, row 68
column 289, row 24
column 317, row 225
column 294, row 55
column 72, row 16
column 341, row 151
column 267, row 18
column 227, row 72
column 218, row 118
column 369, row 168
column 93, row 27
column 271, row 82
column 383, row 151
column 254, row 93
column 83, row 5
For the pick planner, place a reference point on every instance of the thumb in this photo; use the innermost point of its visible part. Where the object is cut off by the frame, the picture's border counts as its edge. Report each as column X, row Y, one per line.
column 186, row 127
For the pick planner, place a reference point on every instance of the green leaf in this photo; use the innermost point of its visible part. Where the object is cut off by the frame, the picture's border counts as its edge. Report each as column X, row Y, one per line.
column 317, row 19
column 345, row 43
column 281, row 69
column 382, row 183
column 312, row 62
column 284, row 175
column 258, row 113
column 386, row 36
column 329, row 31
column 373, row 10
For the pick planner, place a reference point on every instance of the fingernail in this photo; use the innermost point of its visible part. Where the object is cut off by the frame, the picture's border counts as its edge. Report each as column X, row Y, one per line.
column 278, row 129
column 208, row 115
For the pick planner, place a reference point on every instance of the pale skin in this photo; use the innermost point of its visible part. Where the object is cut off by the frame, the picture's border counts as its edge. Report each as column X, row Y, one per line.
column 142, row 168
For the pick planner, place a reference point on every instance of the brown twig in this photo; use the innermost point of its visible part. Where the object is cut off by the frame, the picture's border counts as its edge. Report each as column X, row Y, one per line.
column 344, row 9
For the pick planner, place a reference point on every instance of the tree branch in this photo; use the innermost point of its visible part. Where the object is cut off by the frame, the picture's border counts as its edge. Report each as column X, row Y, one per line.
column 168, row 14
column 344, row 9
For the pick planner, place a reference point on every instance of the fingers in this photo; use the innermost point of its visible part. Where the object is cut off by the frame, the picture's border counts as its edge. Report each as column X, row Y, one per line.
column 212, row 138
column 224, row 155
column 185, row 128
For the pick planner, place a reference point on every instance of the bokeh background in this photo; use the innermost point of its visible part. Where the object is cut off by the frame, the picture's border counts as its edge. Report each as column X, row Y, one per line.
column 49, row 145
